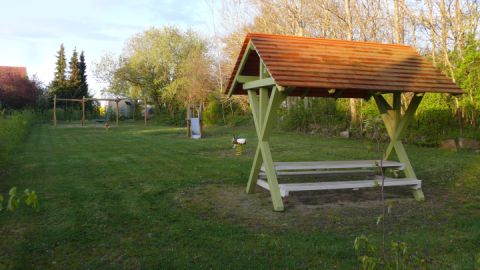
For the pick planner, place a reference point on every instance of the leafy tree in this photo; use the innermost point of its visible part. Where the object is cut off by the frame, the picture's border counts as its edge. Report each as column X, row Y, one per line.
column 168, row 66
column 467, row 74
column 17, row 92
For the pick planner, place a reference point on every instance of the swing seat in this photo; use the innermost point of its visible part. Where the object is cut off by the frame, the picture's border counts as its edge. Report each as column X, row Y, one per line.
column 100, row 120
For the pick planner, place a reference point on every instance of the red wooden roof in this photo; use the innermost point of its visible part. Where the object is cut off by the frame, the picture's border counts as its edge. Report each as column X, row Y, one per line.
column 6, row 71
column 313, row 66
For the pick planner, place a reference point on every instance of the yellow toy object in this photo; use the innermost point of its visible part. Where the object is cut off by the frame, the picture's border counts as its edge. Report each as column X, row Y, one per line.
column 239, row 145
column 239, row 149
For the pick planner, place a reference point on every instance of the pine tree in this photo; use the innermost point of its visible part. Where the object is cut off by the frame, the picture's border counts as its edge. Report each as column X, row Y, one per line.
column 82, row 68
column 74, row 76
column 59, row 84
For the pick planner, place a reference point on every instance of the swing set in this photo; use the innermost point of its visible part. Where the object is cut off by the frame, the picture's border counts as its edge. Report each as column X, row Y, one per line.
column 100, row 120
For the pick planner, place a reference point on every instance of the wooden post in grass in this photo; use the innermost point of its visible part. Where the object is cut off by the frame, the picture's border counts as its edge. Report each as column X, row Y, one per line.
column 264, row 108
column 189, row 115
column 116, row 111
column 200, row 119
column 83, row 110
column 396, row 126
column 134, row 109
column 145, row 105
column 55, row 110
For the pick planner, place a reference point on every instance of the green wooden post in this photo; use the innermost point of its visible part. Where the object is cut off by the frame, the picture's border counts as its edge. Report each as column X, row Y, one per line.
column 257, row 160
column 396, row 125
column 276, row 98
column 264, row 108
column 258, row 104
column 263, row 125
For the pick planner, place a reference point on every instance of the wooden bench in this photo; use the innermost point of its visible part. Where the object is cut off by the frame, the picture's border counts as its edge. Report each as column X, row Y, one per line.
column 367, row 168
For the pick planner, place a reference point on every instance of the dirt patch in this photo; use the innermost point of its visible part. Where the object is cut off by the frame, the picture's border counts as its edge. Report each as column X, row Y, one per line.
column 345, row 211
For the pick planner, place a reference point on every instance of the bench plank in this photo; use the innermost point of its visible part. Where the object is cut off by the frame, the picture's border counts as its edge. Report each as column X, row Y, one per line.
column 328, row 165
column 291, row 174
column 286, row 188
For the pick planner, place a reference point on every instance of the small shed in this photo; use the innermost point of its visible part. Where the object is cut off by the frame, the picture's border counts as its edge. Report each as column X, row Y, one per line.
column 271, row 67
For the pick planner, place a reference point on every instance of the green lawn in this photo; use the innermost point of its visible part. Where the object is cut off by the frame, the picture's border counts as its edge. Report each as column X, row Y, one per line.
column 136, row 197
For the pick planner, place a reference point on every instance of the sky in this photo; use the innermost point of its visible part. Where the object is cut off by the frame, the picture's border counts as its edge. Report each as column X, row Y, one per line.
column 31, row 31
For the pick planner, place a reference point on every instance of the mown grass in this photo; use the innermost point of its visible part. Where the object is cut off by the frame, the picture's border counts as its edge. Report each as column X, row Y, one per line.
column 109, row 200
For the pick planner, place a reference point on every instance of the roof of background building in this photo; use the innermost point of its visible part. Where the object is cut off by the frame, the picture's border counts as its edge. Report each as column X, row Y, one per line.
column 13, row 71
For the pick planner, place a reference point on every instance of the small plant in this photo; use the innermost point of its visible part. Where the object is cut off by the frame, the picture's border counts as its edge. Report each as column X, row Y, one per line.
column 369, row 256
column 29, row 198
column 477, row 262
column 366, row 252
column 399, row 258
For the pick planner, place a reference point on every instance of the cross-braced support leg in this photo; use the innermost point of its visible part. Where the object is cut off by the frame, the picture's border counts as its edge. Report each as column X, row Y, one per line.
column 264, row 113
column 396, row 125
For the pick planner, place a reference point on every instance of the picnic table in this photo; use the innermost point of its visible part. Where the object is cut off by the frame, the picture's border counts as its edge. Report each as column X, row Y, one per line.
column 369, row 169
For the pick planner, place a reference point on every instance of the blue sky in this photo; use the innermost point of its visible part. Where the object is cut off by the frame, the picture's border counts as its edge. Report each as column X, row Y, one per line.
column 31, row 31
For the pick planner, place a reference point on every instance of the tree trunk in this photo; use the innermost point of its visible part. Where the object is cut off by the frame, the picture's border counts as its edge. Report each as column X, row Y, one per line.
column 289, row 104
column 432, row 30
column 399, row 22
column 353, row 102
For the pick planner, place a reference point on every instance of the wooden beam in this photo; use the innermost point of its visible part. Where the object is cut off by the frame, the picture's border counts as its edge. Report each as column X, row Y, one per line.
column 200, row 119
column 83, row 111
column 145, row 105
column 244, row 79
column 396, row 125
column 285, row 189
column 267, row 82
column 249, row 48
column 338, row 94
column 263, row 70
column 263, row 126
column 55, row 110
column 106, row 99
column 257, row 160
column 305, row 93
column 189, row 121
column 69, row 99
column 382, row 103
column 117, row 112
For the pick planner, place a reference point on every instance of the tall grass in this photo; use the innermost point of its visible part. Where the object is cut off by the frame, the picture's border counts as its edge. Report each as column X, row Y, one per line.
column 13, row 130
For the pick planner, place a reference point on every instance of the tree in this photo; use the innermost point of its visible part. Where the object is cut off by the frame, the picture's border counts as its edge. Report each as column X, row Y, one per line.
column 74, row 76
column 18, row 92
column 467, row 73
column 195, row 77
column 58, row 85
column 156, row 65
column 352, row 101
column 82, row 70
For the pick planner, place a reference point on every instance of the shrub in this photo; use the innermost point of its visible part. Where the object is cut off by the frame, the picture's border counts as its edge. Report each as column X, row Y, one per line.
column 213, row 114
column 226, row 111
column 324, row 116
column 13, row 130
column 18, row 92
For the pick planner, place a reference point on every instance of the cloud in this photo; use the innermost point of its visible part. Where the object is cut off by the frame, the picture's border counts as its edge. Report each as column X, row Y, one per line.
column 31, row 31
column 66, row 28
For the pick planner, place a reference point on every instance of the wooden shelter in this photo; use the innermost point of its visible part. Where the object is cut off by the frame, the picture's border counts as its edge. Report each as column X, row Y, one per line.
column 272, row 67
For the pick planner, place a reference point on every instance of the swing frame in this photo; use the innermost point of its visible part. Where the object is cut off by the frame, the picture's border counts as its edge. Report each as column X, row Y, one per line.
column 83, row 100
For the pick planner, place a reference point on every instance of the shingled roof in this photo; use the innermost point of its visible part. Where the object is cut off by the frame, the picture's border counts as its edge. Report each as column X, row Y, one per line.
column 7, row 71
column 315, row 66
